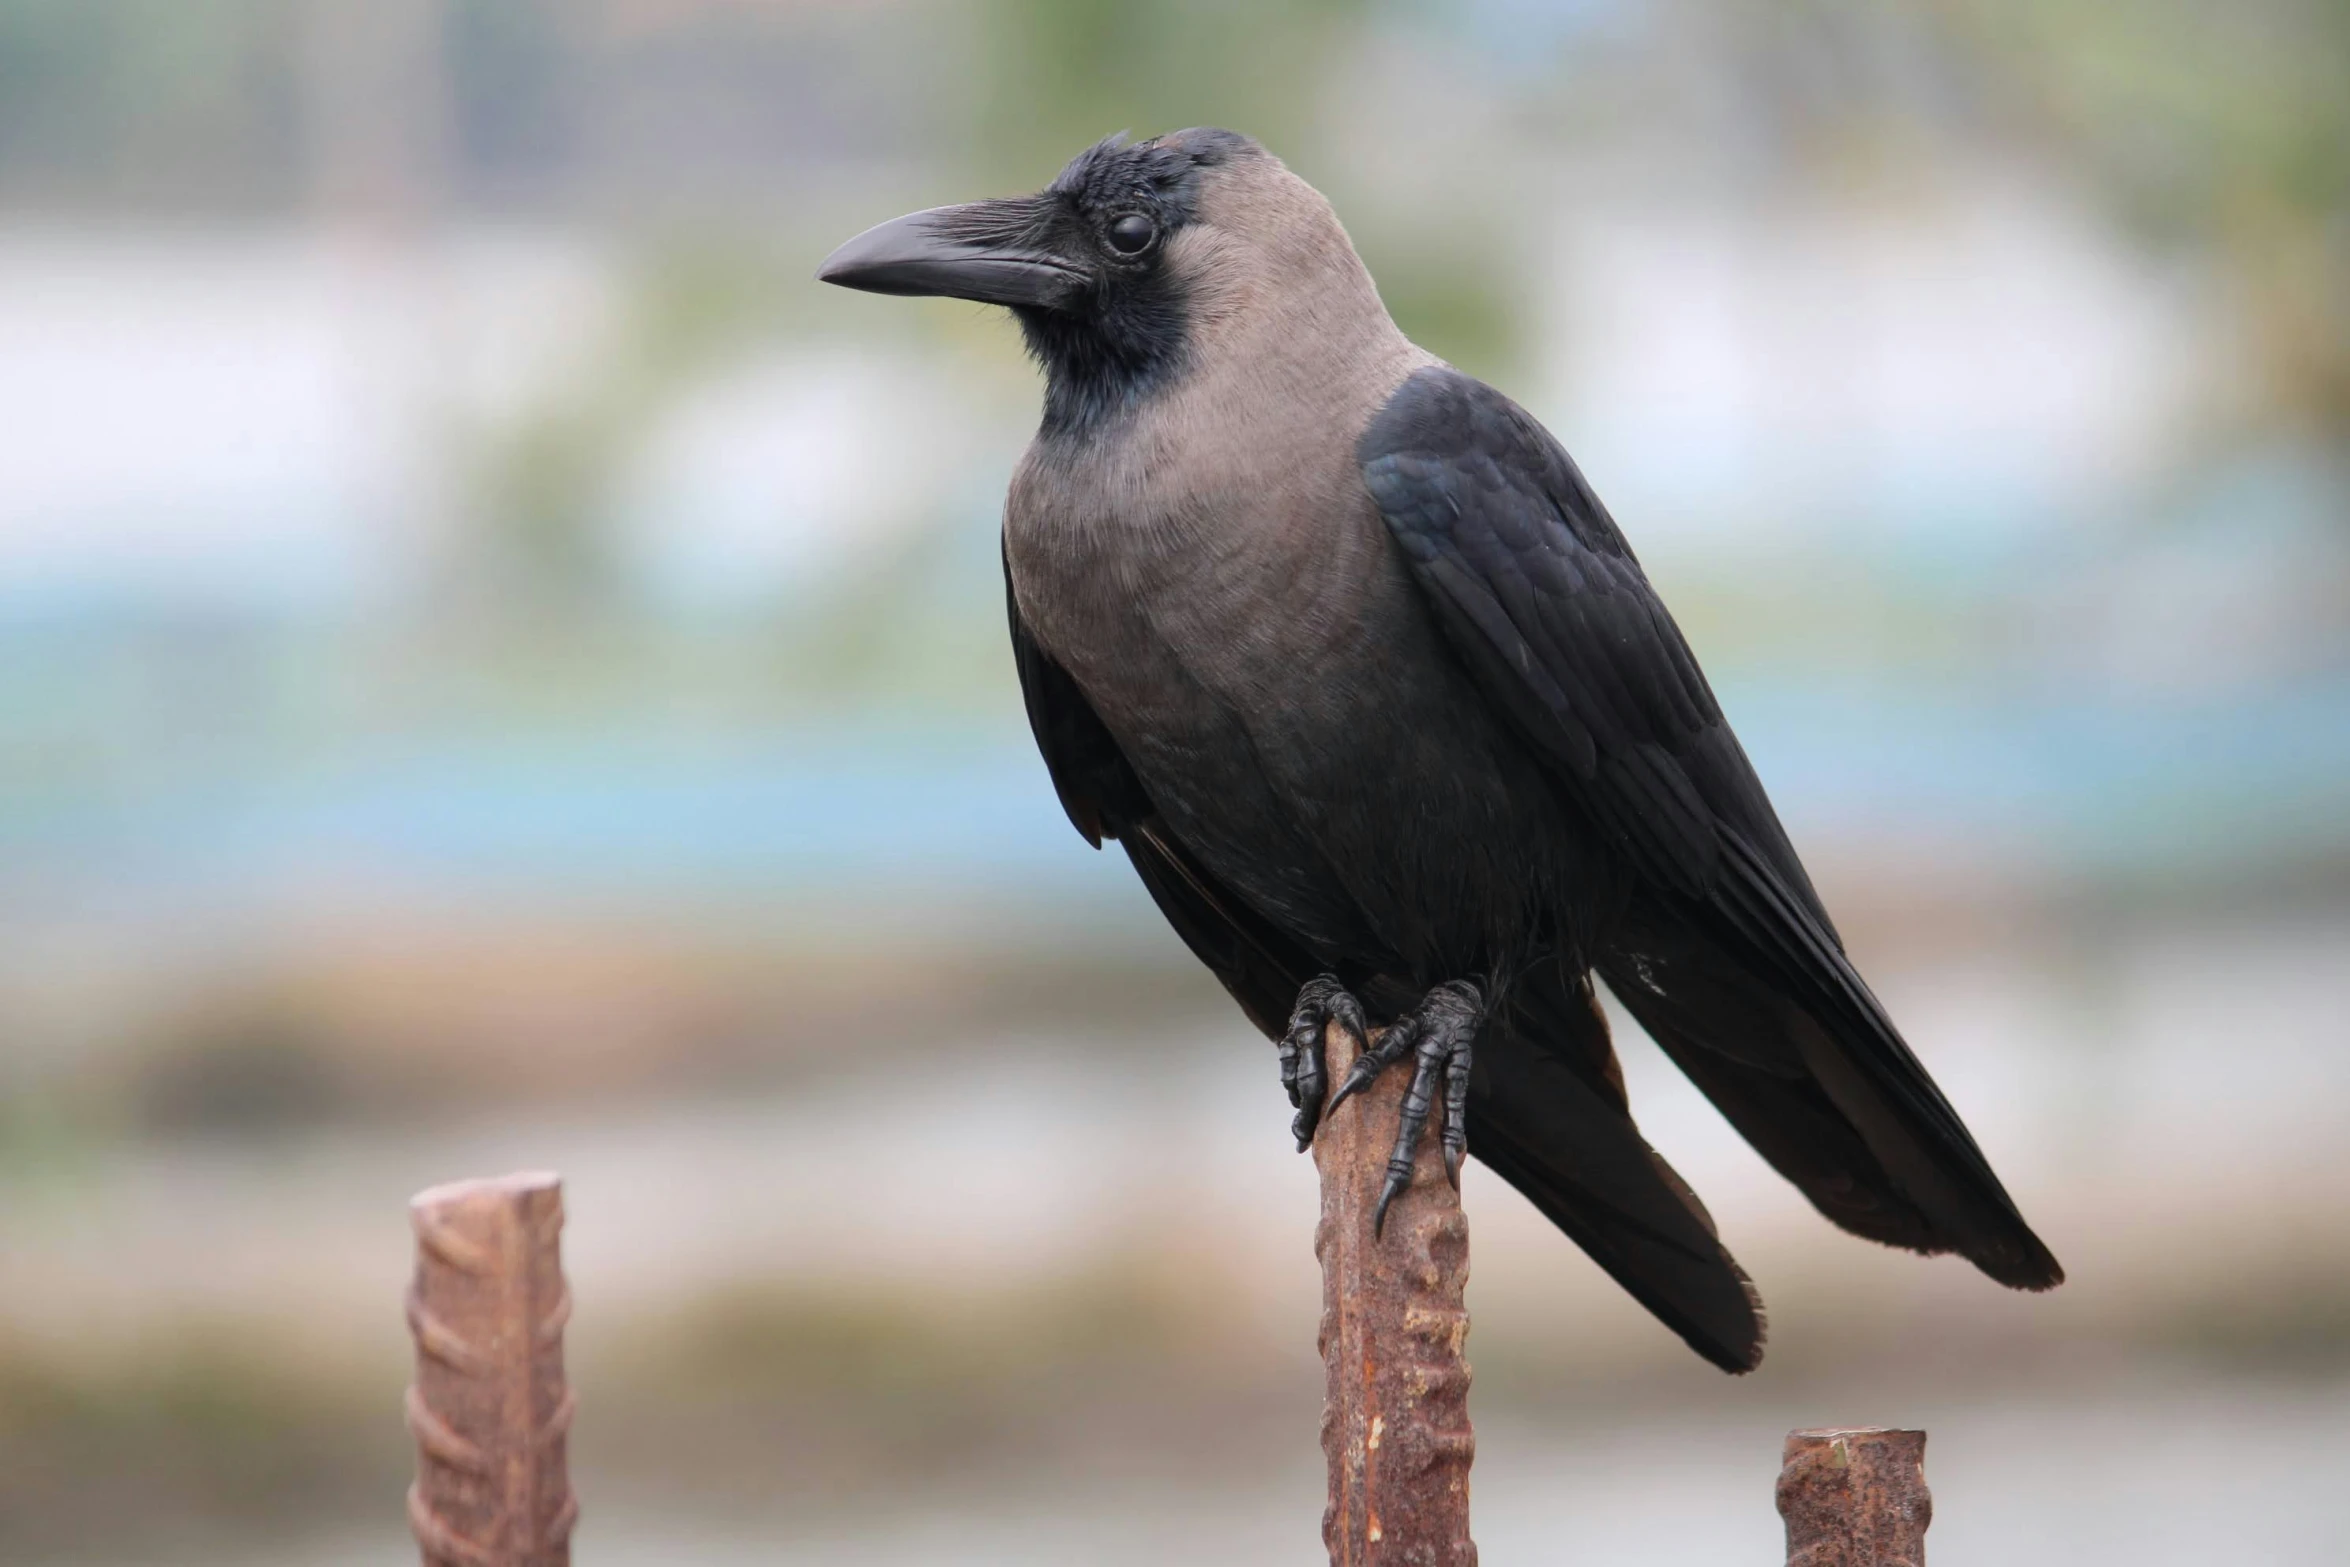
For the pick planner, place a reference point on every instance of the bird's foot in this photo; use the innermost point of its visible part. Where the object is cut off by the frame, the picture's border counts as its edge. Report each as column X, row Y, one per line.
column 1438, row 1035
column 1321, row 1001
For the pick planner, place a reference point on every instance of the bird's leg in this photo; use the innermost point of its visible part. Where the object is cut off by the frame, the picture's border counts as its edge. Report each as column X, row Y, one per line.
column 1321, row 1001
column 1437, row 1034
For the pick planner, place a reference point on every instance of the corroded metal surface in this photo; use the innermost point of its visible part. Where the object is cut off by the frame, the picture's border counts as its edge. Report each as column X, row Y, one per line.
column 1395, row 1427
column 490, row 1411
column 1855, row 1498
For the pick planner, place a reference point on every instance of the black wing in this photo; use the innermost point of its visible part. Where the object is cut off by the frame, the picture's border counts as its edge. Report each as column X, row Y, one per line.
column 1728, row 957
column 1546, row 1107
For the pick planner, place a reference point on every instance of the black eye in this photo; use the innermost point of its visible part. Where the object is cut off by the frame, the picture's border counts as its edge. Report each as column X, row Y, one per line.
column 1131, row 235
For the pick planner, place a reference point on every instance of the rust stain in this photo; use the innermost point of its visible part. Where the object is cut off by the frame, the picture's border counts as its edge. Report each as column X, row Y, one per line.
column 1395, row 1425
column 1855, row 1497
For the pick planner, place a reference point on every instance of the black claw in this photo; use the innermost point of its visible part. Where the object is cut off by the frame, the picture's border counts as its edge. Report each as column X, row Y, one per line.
column 1397, row 1180
column 1430, row 1052
column 1456, row 1112
column 1392, row 1047
column 1321, row 1001
column 1347, row 1013
column 1290, row 1050
column 1438, row 1035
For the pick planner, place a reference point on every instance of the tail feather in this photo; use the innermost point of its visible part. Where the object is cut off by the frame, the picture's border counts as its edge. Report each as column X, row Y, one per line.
column 1826, row 1091
column 1569, row 1146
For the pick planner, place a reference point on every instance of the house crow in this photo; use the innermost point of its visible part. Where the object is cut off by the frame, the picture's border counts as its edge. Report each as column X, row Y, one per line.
column 1337, row 645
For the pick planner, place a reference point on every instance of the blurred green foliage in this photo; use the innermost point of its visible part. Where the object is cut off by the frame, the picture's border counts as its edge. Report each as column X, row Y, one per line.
column 2221, row 130
column 1061, row 74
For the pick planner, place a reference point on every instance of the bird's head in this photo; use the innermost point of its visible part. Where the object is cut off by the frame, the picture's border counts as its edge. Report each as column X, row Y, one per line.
column 1115, row 268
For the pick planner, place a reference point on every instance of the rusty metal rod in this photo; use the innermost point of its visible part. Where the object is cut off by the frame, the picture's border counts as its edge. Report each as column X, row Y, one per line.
column 1855, row 1498
column 489, row 1409
column 1395, row 1421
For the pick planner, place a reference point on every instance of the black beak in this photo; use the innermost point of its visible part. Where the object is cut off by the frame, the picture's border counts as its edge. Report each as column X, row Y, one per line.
column 983, row 250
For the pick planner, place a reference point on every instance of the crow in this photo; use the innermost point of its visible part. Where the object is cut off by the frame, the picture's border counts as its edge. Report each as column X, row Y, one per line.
column 1338, row 646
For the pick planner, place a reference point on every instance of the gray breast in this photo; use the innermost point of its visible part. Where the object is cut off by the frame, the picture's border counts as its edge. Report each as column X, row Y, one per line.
column 1253, row 641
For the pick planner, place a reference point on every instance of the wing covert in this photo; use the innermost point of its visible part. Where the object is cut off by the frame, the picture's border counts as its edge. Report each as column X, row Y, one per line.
column 1544, row 599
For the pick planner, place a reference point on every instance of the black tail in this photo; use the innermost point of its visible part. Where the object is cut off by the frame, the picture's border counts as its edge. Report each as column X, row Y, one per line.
column 1547, row 1113
column 1792, row 1047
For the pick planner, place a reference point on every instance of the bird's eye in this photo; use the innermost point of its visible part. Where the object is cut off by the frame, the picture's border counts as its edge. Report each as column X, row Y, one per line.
column 1131, row 235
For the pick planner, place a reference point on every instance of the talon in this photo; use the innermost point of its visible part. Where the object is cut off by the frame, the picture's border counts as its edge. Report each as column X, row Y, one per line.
column 1397, row 1181
column 1438, row 1035
column 1456, row 1113
column 1321, row 1001
column 1392, row 1047
column 1347, row 1013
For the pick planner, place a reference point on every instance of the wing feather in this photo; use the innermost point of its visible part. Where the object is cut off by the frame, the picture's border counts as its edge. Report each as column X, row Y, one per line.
column 1547, row 607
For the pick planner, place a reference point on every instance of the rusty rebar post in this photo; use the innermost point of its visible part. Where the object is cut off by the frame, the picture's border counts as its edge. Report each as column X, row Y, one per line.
column 1395, row 1423
column 1855, row 1498
column 489, row 1410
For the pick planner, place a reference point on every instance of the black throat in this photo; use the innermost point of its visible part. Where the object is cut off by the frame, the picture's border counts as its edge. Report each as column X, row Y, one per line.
column 1104, row 363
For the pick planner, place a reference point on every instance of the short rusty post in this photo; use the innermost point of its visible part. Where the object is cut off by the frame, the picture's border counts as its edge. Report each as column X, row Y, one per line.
column 1395, row 1424
column 490, row 1411
column 1855, row 1498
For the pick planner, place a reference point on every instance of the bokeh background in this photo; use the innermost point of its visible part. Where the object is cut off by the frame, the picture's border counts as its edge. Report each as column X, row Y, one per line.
column 498, row 669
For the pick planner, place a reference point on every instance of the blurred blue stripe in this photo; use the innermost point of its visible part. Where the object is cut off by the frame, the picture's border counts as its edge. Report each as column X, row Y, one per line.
column 2087, row 789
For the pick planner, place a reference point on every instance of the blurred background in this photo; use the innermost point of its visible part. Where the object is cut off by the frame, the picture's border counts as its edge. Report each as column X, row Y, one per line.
column 488, row 682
